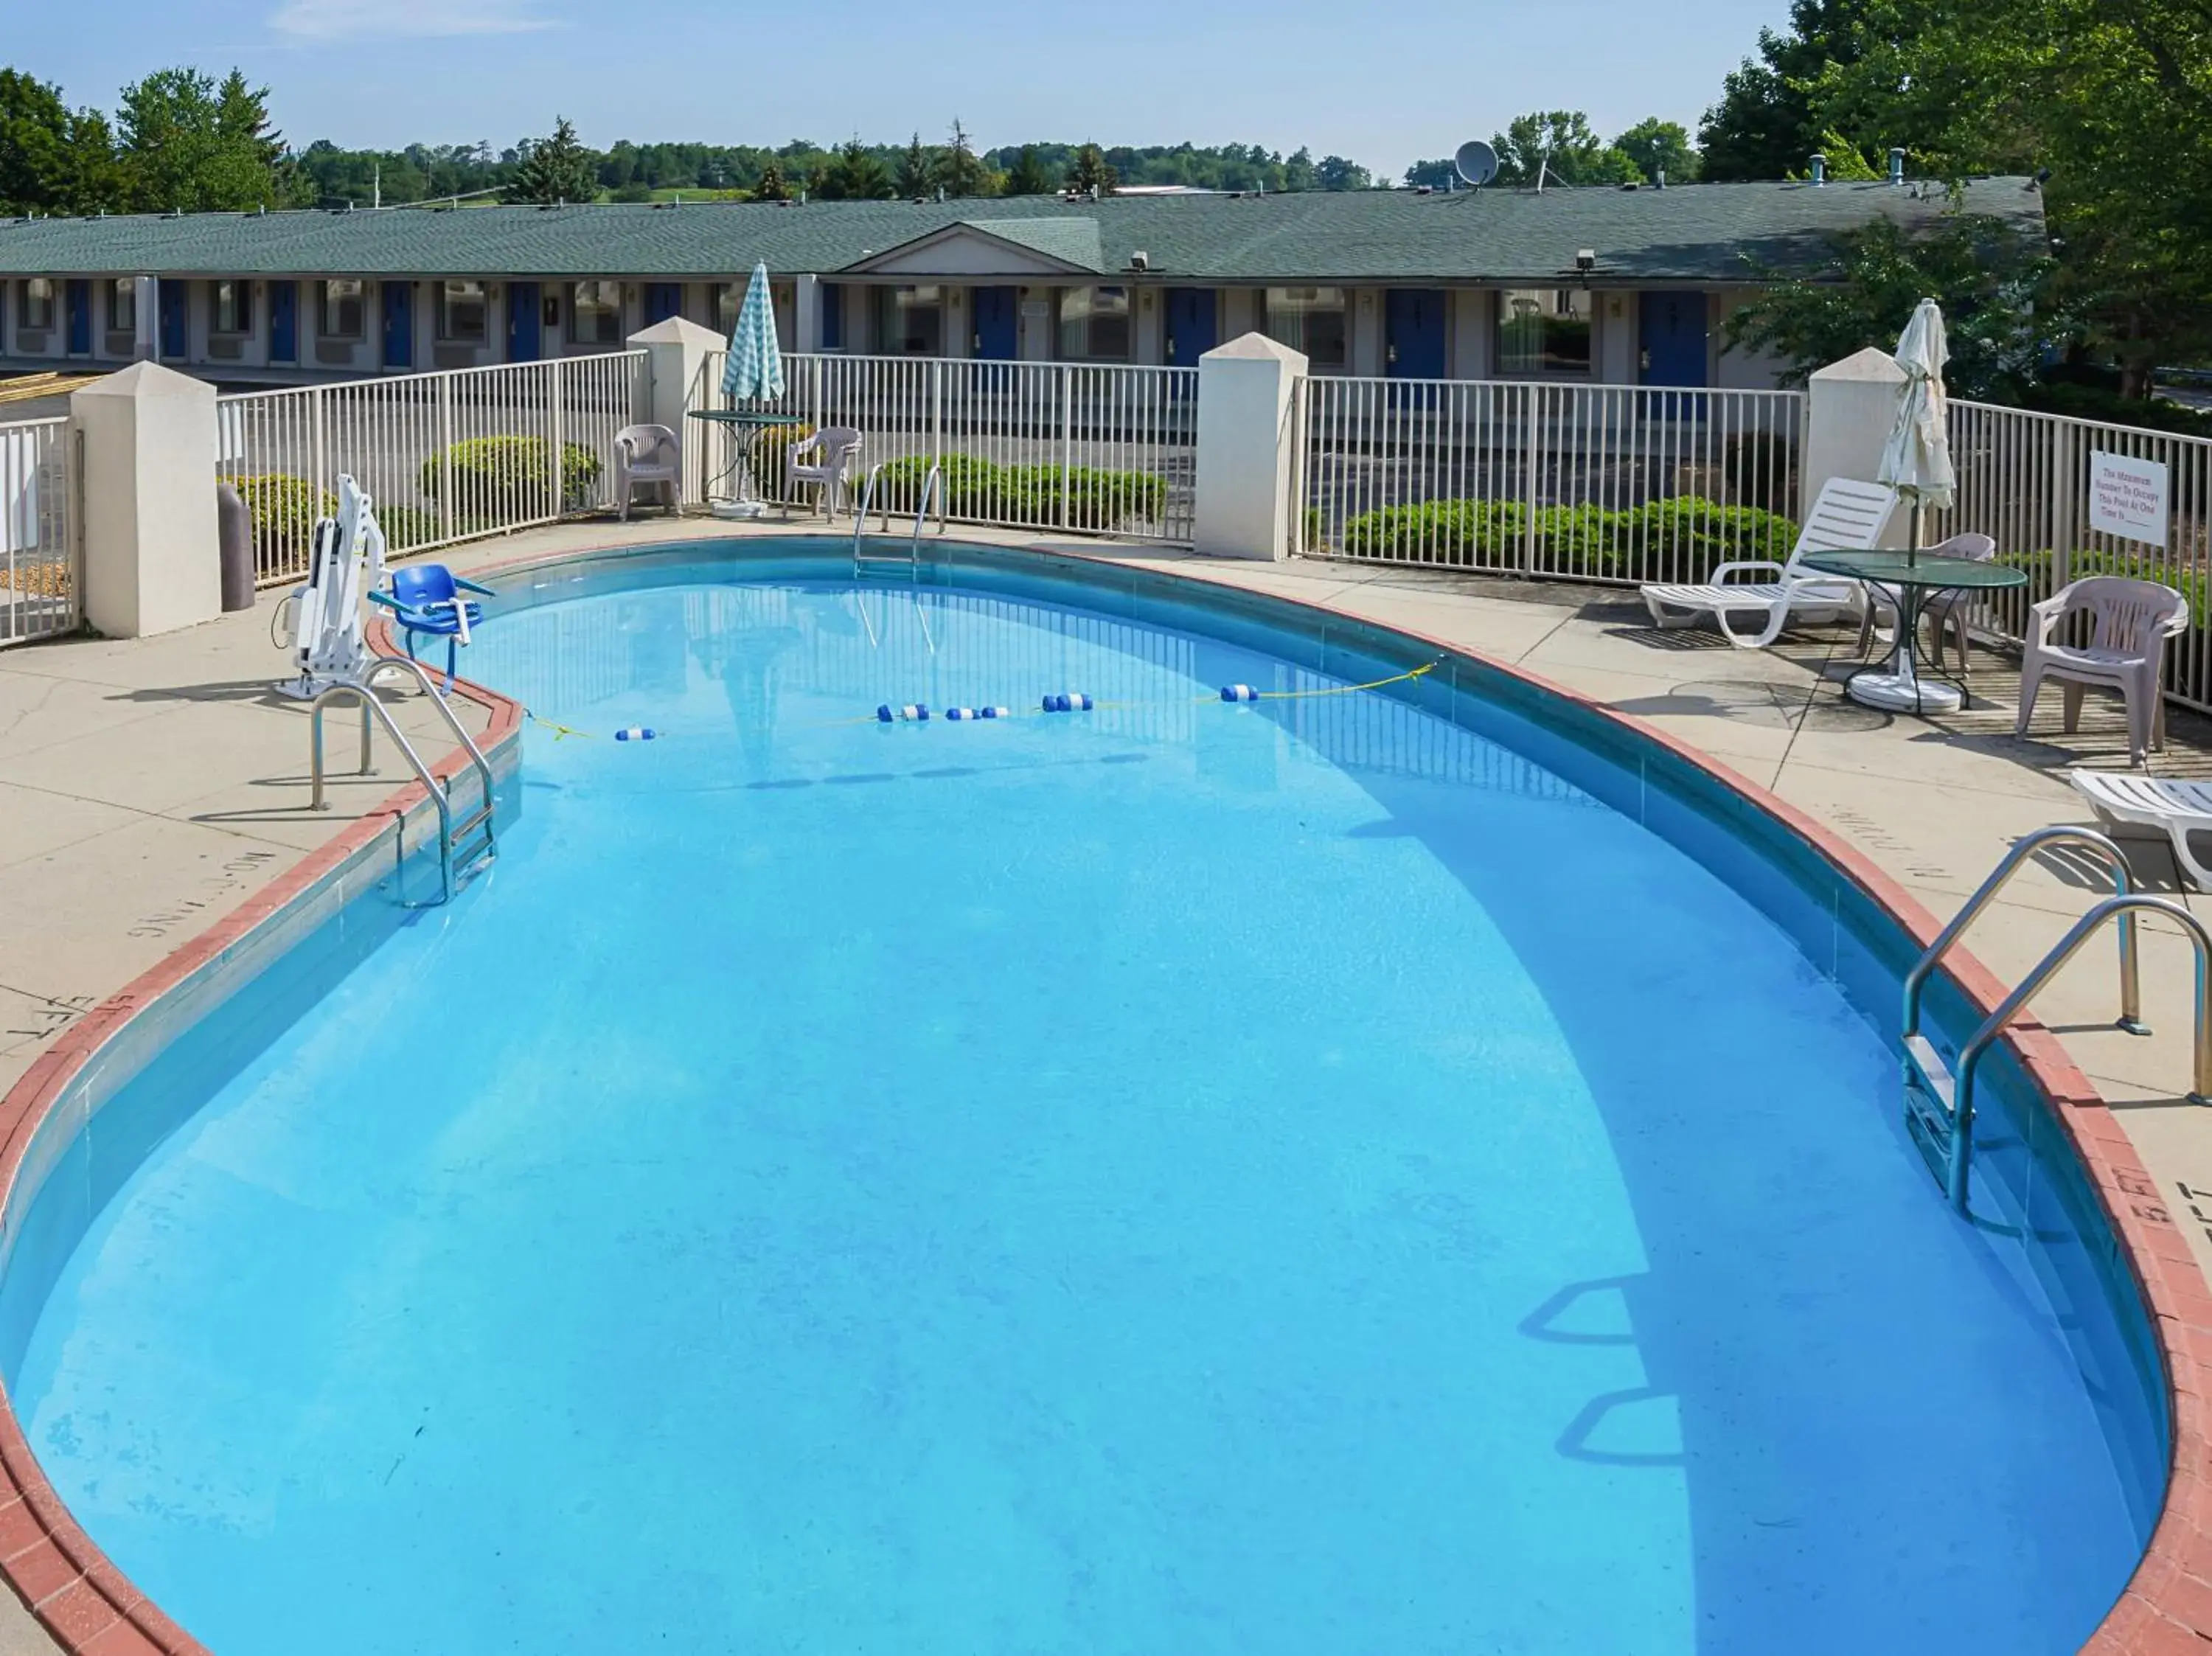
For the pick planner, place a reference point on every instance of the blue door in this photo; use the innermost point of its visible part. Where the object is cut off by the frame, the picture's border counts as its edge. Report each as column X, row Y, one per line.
column 995, row 310
column 522, row 335
column 176, row 310
column 662, row 301
column 1194, row 326
column 1413, row 333
column 1672, row 333
column 283, row 322
column 79, row 316
column 398, row 324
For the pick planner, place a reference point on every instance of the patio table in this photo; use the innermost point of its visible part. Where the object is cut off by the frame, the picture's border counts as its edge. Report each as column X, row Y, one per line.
column 1897, row 686
column 745, row 426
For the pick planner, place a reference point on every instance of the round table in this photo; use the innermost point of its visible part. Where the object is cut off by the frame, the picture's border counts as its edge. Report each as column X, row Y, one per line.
column 746, row 426
column 1898, row 688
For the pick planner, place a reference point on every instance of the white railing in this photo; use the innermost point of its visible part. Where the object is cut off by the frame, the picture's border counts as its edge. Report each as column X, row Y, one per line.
column 2024, row 480
column 38, row 588
column 447, row 455
column 1582, row 483
column 1106, row 450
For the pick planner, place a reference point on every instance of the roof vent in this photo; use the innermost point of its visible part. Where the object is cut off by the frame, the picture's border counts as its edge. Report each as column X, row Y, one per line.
column 1585, row 259
column 1820, row 169
column 1897, row 167
column 1140, row 260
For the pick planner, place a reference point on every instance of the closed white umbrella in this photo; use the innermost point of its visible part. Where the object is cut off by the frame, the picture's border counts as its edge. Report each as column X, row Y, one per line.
column 1915, row 461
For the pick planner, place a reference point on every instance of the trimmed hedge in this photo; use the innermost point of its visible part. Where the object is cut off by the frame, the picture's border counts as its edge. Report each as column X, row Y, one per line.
column 498, row 479
column 2193, row 584
column 979, row 489
column 283, row 510
column 1693, row 533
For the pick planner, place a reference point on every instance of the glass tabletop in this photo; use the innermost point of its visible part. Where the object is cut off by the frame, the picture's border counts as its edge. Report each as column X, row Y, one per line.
column 1897, row 569
column 745, row 417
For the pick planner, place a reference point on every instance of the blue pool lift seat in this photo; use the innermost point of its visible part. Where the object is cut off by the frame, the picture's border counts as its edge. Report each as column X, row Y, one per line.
column 427, row 599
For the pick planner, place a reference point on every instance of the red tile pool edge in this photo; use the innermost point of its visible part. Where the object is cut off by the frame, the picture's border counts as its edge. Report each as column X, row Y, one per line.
column 91, row 1608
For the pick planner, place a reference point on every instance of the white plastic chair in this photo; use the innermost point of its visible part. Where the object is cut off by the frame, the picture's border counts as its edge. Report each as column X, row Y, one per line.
column 1848, row 517
column 2176, row 808
column 1955, row 610
column 2129, row 621
column 834, row 451
column 651, row 456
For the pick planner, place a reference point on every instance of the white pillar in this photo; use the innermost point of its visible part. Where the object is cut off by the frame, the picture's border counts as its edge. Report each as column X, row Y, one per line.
column 151, row 559
column 146, row 306
column 1850, row 406
column 806, row 318
column 675, row 353
column 1246, row 447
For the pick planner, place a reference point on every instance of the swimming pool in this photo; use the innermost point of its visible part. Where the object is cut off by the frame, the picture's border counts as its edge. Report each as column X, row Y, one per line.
column 1348, row 1172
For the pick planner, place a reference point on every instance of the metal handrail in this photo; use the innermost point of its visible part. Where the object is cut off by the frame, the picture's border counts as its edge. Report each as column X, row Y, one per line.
column 932, row 483
column 2131, row 1017
column 933, row 486
column 363, row 689
column 1970, row 1056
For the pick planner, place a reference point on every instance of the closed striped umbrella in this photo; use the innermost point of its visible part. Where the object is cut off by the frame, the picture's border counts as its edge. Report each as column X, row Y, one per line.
column 754, row 369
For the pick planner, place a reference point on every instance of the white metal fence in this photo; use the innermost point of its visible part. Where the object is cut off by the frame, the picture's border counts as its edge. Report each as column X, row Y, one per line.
column 38, row 586
column 1590, row 482
column 2024, row 480
column 1107, row 450
column 447, row 456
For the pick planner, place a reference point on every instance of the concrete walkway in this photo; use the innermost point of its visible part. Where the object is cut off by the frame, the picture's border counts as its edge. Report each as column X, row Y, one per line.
column 148, row 787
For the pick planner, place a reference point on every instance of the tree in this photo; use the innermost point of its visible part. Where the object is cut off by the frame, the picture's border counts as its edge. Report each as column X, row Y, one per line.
column 1088, row 170
column 1997, row 293
column 914, row 175
column 1028, row 176
column 2113, row 96
column 1557, row 146
column 189, row 145
column 34, row 136
column 771, row 186
column 1764, row 126
column 1657, row 147
column 1334, row 173
column 853, row 175
column 959, row 172
column 555, row 170
column 1435, row 175
column 1298, row 171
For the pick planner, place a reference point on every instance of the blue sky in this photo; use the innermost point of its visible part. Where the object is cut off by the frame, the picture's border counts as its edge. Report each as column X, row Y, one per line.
column 1380, row 83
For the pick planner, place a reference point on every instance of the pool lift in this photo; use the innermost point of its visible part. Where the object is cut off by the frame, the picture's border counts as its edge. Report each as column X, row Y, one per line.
column 329, row 637
column 1939, row 1093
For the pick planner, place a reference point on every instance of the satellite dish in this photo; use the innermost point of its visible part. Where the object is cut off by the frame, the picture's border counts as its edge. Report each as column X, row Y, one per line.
column 1476, row 162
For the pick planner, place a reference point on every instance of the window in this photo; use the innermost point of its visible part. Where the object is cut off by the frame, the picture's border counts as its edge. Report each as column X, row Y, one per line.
column 833, row 316
column 233, row 308
column 123, row 304
column 34, row 303
column 1309, row 319
column 1094, row 322
column 341, row 311
column 729, row 300
column 1543, row 331
column 595, row 314
column 462, row 314
column 910, row 321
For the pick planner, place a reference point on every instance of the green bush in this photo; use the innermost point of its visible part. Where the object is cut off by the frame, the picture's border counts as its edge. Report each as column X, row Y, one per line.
column 2109, row 408
column 1685, row 536
column 499, row 479
column 283, row 510
column 2194, row 584
column 976, row 488
column 770, row 446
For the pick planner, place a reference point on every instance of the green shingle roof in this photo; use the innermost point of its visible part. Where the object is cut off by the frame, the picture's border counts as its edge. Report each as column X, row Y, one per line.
column 1688, row 232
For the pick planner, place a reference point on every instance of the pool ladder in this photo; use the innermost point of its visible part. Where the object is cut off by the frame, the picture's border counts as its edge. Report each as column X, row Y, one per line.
column 1938, row 1095
column 932, row 490
column 463, row 847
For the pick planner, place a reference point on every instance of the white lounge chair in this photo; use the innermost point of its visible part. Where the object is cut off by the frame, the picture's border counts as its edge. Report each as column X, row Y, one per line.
column 2177, row 809
column 1848, row 517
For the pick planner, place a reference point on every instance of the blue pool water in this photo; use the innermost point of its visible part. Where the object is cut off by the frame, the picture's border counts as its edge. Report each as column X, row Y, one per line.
column 1182, row 1178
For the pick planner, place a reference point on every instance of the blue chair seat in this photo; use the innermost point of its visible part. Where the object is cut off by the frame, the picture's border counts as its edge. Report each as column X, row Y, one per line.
column 426, row 601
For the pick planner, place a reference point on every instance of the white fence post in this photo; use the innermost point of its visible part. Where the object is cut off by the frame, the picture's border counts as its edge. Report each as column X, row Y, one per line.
column 560, row 437
column 151, row 562
column 1246, row 444
column 676, row 353
column 1850, row 406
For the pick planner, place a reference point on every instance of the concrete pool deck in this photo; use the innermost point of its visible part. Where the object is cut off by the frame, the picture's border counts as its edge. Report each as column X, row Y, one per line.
column 148, row 787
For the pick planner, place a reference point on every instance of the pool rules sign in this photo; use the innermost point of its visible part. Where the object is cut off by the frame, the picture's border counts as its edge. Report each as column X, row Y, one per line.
column 2128, row 497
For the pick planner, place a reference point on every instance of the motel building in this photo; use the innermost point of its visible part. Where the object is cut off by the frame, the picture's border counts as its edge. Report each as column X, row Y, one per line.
column 1601, row 286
